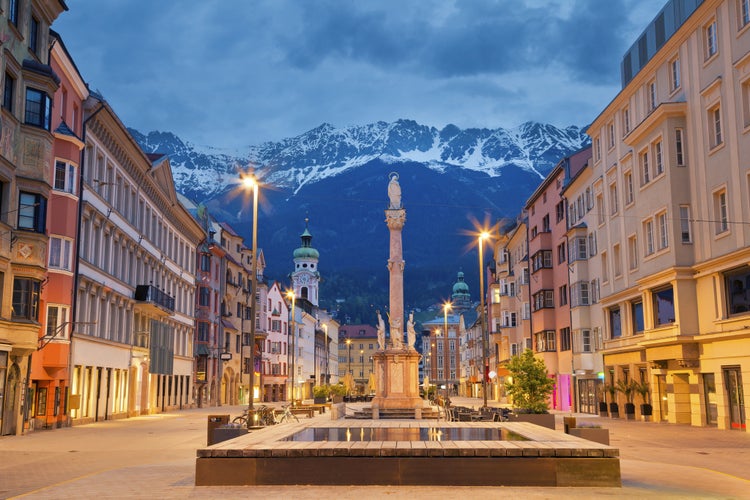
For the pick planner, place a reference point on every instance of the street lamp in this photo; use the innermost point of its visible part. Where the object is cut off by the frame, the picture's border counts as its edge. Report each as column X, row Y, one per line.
column 349, row 343
column 249, row 181
column 325, row 330
column 290, row 295
column 485, row 340
column 446, row 307
column 362, row 364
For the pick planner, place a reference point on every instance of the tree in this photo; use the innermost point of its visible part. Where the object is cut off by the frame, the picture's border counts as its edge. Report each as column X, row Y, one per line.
column 530, row 388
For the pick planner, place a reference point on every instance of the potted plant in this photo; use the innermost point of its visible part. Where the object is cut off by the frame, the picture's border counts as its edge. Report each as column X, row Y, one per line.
column 338, row 391
column 530, row 388
column 628, row 390
column 320, row 394
column 643, row 389
column 602, row 402
column 614, row 408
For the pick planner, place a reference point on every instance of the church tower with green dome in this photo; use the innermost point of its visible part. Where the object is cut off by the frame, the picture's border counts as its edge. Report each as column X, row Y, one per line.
column 461, row 297
column 306, row 278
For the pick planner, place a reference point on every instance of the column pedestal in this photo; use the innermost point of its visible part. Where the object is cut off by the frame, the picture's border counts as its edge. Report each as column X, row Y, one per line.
column 397, row 376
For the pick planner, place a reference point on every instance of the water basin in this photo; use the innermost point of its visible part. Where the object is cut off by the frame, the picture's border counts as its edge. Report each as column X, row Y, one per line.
column 404, row 434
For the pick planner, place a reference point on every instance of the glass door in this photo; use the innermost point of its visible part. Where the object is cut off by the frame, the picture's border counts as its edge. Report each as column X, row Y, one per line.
column 709, row 394
column 735, row 397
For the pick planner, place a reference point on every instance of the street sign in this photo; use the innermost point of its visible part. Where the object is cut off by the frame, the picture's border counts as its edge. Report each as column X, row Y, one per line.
column 225, row 356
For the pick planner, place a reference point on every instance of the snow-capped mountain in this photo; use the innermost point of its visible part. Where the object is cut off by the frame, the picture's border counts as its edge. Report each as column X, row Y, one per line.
column 337, row 177
column 326, row 151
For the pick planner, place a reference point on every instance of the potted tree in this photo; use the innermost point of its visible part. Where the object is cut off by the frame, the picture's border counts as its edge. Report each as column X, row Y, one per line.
column 647, row 410
column 320, row 394
column 602, row 401
column 628, row 390
column 614, row 408
column 338, row 391
column 530, row 388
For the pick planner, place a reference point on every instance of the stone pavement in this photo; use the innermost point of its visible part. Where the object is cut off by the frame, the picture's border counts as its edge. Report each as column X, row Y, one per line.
column 154, row 457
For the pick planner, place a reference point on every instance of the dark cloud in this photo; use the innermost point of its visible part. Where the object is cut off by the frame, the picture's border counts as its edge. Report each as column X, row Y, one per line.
column 233, row 72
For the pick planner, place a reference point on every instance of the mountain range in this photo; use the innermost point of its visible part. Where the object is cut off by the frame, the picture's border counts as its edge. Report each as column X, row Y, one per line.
column 337, row 177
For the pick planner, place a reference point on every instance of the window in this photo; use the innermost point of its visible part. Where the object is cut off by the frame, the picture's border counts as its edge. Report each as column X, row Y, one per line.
column 617, row 260
column 636, row 309
column 560, row 209
column 597, row 149
column 633, row 252
column 605, row 268
column 714, row 120
column 26, row 299
column 563, row 292
column 38, row 108
column 9, row 88
column 204, row 296
column 613, row 199
column 685, row 224
column 565, row 339
column 586, row 341
column 545, row 341
column 205, row 263
column 545, row 224
column 592, row 244
column 658, row 163
column 679, row 147
column 57, row 322
column 615, row 326
column 542, row 259
column 626, row 120
column 674, row 74
column 645, row 169
column 203, row 328
column 60, row 253
column 594, row 288
column 32, row 209
column 34, row 35
column 710, row 40
column 543, row 299
column 579, row 294
column 600, row 208
column 661, row 220
column 651, row 96
column 578, row 251
column 648, row 235
column 744, row 13
column 629, row 191
column 610, row 135
column 65, row 177
column 664, row 306
column 737, row 283
column 562, row 254
column 13, row 11
column 720, row 212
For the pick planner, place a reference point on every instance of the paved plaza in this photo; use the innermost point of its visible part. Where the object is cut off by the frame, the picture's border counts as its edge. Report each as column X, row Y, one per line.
column 154, row 457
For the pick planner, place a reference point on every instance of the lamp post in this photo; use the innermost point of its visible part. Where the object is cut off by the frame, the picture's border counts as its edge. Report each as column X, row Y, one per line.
column 325, row 330
column 485, row 340
column 249, row 181
column 362, row 365
column 290, row 295
column 446, row 307
column 349, row 343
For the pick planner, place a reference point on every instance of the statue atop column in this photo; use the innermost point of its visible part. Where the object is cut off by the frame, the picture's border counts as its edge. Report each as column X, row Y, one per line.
column 394, row 192
column 381, row 331
column 411, row 334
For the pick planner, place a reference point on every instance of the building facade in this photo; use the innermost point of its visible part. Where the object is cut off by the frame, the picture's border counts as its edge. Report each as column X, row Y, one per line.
column 27, row 143
column 132, row 351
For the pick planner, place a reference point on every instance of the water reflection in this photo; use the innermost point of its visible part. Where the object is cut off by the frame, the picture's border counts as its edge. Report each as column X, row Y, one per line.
column 404, row 434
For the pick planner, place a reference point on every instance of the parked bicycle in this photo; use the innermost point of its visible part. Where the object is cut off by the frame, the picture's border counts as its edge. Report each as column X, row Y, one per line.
column 264, row 415
column 286, row 415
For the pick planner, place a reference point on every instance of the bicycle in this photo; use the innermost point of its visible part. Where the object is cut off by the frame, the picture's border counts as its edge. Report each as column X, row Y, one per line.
column 286, row 415
column 264, row 415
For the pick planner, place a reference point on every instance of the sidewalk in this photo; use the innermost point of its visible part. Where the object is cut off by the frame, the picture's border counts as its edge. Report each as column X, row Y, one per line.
column 154, row 457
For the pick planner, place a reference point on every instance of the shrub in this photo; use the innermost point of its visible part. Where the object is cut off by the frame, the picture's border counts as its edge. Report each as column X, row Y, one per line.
column 531, row 387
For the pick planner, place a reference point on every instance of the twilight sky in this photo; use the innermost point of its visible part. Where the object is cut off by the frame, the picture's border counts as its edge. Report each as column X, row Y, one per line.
column 233, row 73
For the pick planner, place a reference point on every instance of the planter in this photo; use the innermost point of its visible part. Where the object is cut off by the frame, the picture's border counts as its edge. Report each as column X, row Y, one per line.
column 592, row 434
column 568, row 423
column 540, row 419
column 603, row 409
column 320, row 400
column 646, row 411
column 614, row 410
column 630, row 411
column 337, row 398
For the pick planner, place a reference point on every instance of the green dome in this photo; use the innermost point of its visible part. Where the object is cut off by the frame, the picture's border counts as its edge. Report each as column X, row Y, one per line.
column 460, row 287
column 306, row 253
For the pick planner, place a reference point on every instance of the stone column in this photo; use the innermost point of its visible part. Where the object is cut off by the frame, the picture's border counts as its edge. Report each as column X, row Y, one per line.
column 395, row 218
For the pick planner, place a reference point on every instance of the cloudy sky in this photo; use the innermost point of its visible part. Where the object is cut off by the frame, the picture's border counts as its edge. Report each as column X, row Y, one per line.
column 232, row 73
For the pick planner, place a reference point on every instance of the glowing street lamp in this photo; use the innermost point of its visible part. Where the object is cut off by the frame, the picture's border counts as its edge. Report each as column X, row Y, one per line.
column 249, row 182
column 485, row 340
column 290, row 295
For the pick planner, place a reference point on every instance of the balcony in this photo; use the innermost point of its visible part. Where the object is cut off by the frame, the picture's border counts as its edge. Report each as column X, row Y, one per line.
column 150, row 298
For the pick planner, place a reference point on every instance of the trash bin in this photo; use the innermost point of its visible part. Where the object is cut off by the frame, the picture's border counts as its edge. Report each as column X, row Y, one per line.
column 214, row 422
column 228, row 431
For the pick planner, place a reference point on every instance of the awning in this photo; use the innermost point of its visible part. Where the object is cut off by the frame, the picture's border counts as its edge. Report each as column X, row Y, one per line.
column 228, row 325
column 200, row 350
